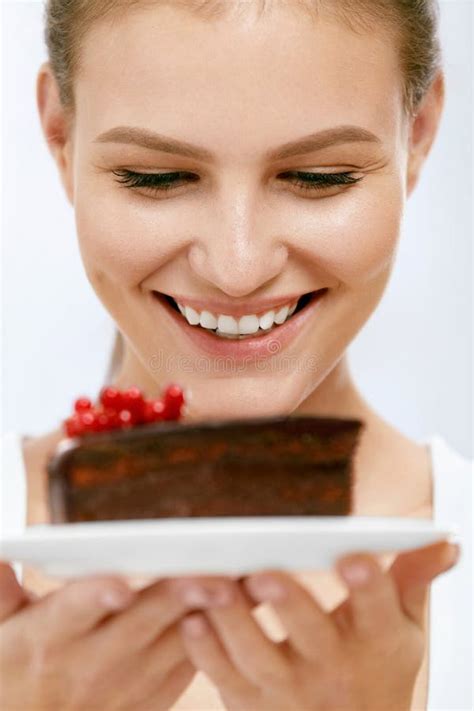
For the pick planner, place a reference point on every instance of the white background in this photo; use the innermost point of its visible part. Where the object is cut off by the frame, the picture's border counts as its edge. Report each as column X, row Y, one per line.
column 413, row 360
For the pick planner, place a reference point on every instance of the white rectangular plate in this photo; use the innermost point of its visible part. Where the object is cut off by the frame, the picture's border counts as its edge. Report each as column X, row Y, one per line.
column 213, row 545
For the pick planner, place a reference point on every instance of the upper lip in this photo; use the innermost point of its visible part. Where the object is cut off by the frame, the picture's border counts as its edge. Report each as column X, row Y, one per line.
column 249, row 307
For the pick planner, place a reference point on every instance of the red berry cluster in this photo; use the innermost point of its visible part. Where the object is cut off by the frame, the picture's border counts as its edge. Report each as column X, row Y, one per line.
column 121, row 409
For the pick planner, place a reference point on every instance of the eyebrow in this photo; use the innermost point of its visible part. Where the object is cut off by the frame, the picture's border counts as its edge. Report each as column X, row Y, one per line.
column 308, row 144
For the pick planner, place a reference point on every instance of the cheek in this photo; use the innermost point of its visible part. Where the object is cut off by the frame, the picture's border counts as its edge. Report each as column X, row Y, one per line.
column 356, row 235
column 120, row 241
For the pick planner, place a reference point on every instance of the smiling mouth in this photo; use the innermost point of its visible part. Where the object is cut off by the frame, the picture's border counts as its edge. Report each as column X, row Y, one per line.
column 220, row 325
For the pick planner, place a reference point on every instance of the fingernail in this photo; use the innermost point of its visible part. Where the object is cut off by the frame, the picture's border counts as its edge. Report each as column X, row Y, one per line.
column 199, row 596
column 355, row 574
column 116, row 599
column 454, row 553
column 265, row 588
column 195, row 626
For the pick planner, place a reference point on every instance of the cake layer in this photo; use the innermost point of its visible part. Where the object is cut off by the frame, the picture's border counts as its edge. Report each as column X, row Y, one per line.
column 254, row 467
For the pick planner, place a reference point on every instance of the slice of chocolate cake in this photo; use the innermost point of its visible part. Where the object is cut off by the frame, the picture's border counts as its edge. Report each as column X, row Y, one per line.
column 281, row 466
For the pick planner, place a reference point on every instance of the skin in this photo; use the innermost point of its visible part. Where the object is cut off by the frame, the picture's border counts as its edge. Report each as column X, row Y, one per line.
column 196, row 81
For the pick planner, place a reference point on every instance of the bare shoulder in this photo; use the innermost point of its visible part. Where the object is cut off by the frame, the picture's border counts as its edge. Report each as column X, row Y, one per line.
column 394, row 472
column 36, row 452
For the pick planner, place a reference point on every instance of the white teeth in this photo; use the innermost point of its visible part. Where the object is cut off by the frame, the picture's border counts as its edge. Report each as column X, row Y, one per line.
column 228, row 324
column 192, row 316
column 232, row 327
column 249, row 324
column 292, row 309
column 208, row 320
column 266, row 321
column 281, row 315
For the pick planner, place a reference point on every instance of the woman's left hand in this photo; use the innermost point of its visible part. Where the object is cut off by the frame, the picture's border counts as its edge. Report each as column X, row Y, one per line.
column 363, row 655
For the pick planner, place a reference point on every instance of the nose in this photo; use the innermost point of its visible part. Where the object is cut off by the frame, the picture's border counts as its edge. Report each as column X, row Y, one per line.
column 238, row 255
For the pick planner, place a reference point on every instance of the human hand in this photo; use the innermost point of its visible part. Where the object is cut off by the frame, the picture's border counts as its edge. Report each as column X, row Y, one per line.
column 92, row 644
column 363, row 655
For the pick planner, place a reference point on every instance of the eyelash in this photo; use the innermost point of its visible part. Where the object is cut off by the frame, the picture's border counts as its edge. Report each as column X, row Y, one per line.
column 160, row 182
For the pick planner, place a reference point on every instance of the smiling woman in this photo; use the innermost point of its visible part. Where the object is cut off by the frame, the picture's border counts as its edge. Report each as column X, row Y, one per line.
column 239, row 172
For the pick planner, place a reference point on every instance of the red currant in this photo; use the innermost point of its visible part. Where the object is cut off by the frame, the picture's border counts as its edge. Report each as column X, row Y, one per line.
column 125, row 418
column 110, row 397
column 101, row 422
column 133, row 400
column 174, row 400
column 154, row 410
column 148, row 412
column 122, row 409
column 72, row 426
column 112, row 418
column 82, row 403
column 87, row 420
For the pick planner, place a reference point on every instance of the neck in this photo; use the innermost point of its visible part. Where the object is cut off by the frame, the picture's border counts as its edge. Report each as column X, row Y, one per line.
column 132, row 372
column 336, row 396
column 392, row 474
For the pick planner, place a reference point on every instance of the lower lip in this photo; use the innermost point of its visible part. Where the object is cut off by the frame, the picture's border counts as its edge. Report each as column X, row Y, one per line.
column 270, row 344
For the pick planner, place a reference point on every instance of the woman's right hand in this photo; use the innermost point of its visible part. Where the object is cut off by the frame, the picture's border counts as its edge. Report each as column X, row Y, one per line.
column 93, row 644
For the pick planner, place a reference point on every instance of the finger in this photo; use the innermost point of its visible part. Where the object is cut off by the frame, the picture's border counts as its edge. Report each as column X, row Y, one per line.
column 250, row 600
column 156, row 608
column 311, row 632
column 142, row 674
column 208, row 654
column 212, row 585
column 254, row 655
column 373, row 597
column 74, row 609
column 171, row 689
column 342, row 617
column 12, row 595
column 413, row 571
column 160, row 658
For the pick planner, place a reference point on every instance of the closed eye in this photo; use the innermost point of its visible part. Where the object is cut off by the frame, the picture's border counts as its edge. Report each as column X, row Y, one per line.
column 161, row 182
column 155, row 181
column 319, row 181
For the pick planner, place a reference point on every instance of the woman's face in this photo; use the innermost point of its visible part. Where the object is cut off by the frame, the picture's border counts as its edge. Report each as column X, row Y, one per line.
column 235, row 234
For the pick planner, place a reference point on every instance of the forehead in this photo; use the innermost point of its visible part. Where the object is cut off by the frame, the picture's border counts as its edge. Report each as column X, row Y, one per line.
column 170, row 70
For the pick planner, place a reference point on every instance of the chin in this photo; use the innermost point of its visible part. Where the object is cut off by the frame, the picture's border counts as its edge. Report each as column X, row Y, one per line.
column 240, row 398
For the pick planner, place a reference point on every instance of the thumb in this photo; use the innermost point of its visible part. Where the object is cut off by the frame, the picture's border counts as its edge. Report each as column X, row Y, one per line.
column 12, row 595
column 414, row 570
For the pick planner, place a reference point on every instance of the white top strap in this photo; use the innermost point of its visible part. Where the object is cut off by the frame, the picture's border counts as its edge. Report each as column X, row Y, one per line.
column 13, row 499
column 13, row 492
column 451, row 653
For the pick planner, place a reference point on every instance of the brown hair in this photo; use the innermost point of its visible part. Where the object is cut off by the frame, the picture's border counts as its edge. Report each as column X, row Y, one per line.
column 413, row 24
